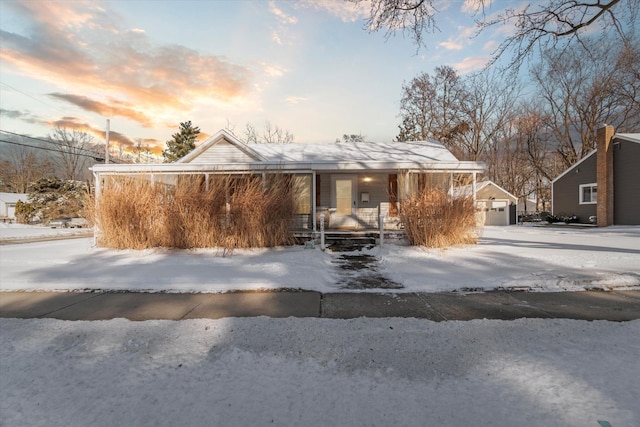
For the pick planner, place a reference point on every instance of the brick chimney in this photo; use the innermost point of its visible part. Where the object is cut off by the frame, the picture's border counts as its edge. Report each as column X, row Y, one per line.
column 604, row 173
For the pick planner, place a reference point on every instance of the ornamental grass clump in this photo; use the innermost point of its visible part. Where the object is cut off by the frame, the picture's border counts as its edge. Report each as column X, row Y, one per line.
column 435, row 219
column 191, row 212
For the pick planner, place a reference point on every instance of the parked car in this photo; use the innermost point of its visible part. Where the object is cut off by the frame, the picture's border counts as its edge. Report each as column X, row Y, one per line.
column 68, row 222
column 62, row 222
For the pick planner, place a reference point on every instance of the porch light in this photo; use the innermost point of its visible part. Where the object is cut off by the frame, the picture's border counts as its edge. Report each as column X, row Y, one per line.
column 367, row 179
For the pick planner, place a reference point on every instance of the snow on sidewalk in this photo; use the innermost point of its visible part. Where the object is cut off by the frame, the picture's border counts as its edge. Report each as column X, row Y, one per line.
column 319, row 372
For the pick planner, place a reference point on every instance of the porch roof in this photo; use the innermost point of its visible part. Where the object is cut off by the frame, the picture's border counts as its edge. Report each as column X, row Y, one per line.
column 291, row 167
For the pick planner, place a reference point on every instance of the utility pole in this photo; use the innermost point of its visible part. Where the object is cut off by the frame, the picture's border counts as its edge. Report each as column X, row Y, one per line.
column 106, row 147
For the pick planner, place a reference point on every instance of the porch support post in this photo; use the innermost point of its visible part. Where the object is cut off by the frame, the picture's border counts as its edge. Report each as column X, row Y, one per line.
column 206, row 181
column 474, row 189
column 406, row 186
column 313, row 201
column 97, row 189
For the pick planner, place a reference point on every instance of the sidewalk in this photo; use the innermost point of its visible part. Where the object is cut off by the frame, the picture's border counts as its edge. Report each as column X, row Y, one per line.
column 588, row 305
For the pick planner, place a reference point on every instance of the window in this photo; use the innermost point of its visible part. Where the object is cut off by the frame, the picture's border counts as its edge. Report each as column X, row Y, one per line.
column 588, row 194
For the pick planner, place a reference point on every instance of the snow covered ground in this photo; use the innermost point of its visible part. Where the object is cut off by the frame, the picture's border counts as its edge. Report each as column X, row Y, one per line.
column 522, row 257
column 319, row 372
column 17, row 232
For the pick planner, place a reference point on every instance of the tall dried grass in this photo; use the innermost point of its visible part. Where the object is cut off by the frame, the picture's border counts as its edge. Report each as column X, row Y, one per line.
column 433, row 218
column 228, row 212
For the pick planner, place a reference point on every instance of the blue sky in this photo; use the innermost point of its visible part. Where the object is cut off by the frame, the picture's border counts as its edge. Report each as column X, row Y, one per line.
column 308, row 67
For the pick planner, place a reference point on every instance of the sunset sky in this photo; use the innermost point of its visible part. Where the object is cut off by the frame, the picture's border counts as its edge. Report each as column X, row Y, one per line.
column 308, row 67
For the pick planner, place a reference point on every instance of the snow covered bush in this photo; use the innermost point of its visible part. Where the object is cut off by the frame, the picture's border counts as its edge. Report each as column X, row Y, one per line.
column 52, row 198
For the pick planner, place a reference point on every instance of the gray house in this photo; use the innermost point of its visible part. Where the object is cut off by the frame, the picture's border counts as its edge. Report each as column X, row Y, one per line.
column 350, row 184
column 604, row 186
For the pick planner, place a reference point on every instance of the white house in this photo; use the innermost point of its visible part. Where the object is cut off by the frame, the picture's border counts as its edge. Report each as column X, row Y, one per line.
column 351, row 184
column 8, row 204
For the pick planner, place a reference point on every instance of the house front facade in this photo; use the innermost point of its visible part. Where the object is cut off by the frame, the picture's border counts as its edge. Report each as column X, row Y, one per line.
column 339, row 185
column 8, row 204
column 604, row 186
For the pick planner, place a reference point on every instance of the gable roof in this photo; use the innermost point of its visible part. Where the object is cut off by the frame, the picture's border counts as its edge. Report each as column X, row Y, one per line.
column 631, row 137
column 13, row 197
column 219, row 137
column 467, row 190
column 424, row 151
column 224, row 152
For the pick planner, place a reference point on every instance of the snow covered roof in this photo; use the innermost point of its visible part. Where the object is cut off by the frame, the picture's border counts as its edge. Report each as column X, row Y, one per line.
column 422, row 151
column 224, row 152
column 467, row 190
column 355, row 151
column 631, row 137
column 13, row 197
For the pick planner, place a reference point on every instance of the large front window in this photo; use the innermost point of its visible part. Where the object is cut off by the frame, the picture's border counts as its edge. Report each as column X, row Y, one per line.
column 588, row 194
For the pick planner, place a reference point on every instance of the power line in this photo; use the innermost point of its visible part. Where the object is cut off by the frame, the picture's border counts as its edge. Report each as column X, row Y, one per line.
column 95, row 156
column 54, row 150
column 43, row 140
column 32, row 97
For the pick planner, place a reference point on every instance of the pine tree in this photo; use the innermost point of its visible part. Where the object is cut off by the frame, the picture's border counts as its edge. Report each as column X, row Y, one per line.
column 181, row 143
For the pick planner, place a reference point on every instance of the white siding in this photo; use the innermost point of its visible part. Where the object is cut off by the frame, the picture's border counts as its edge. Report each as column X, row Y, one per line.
column 223, row 152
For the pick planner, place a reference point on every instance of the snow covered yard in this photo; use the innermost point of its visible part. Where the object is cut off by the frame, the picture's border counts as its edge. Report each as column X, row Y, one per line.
column 319, row 372
column 18, row 232
column 516, row 257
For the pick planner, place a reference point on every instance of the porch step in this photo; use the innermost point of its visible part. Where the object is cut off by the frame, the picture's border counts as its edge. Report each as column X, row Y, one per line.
column 342, row 244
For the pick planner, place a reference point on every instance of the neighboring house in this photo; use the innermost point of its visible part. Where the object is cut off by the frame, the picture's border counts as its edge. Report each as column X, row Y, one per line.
column 350, row 183
column 527, row 206
column 8, row 204
column 605, row 184
column 495, row 204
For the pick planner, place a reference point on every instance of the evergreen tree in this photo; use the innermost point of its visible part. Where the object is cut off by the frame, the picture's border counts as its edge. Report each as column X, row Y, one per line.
column 181, row 143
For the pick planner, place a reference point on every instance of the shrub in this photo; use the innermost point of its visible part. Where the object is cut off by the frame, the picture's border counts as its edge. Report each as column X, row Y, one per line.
column 228, row 211
column 53, row 198
column 24, row 212
column 434, row 218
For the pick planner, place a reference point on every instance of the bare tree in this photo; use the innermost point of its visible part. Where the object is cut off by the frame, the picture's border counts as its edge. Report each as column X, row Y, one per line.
column 74, row 147
column 488, row 105
column 464, row 113
column 556, row 23
column 22, row 168
column 270, row 135
column 431, row 108
column 543, row 25
column 583, row 90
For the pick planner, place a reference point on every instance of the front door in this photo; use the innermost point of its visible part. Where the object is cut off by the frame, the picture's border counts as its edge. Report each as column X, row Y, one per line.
column 344, row 199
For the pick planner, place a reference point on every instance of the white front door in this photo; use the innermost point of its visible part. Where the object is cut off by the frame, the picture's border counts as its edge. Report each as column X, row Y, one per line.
column 344, row 200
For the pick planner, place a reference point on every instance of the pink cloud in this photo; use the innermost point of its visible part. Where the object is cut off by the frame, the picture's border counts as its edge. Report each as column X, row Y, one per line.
column 84, row 48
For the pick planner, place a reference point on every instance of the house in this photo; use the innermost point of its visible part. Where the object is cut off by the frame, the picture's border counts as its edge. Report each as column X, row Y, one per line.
column 8, row 204
column 351, row 184
column 527, row 206
column 496, row 205
column 604, row 185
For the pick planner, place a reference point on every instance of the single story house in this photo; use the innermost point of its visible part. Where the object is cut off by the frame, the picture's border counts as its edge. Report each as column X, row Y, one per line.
column 8, row 204
column 603, row 186
column 495, row 204
column 352, row 184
